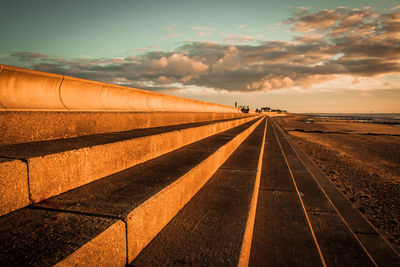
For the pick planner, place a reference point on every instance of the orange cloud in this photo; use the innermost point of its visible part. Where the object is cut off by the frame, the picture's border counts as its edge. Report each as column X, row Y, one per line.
column 328, row 44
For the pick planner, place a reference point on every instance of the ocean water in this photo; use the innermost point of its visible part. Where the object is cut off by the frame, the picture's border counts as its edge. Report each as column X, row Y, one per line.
column 387, row 118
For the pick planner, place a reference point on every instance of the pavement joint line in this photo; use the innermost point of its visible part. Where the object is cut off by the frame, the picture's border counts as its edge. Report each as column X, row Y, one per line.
column 243, row 170
column 337, row 211
column 321, row 211
column 27, row 174
column 301, row 200
column 92, row 214
column 365, row 233
column 274, row 190
column 101, row 99
column 249, row 230
column 28, row 180
column 126, row 239
column 59, row 92
column 330, row 201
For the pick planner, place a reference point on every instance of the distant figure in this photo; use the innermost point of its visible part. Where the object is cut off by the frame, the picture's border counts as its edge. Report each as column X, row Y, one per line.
column 236, row 104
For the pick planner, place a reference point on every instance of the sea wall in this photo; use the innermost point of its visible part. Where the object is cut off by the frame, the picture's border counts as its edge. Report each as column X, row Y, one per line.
column 29, row 90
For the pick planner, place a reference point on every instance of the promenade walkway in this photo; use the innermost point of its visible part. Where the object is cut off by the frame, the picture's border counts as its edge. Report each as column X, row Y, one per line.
column 303, row 219
column 146, row 179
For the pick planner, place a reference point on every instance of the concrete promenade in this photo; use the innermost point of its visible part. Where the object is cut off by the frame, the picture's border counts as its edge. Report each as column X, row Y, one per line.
column 162, row 186
column 303, row 219
column 257, row 201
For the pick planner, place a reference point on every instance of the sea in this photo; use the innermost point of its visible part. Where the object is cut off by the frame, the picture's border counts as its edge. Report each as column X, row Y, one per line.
column 384, row 118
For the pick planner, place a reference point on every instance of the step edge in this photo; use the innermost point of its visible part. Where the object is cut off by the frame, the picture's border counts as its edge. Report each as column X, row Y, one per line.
column 84, row 255
column 163, row 194
column 35, row 165
column 248, row 233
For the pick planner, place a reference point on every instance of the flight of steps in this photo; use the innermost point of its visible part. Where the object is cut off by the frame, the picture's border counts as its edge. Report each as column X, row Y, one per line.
column 101, row 199
column 241, row 196
column 91, row 172
column 121, row 187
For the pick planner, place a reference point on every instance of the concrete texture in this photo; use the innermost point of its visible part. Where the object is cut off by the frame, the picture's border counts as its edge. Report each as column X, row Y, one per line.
column 338, row 245
column 274, row 114
column 281, row 234
column 23, row 126
column 23, row 89
column 379, row 249
column 28, row 89
column 211, row 228
column 142, row 227
column 152, row 210
column 148, row 195
column 106, row 249
column 14, row 193
column 60, row 165
column 337, row 235
column 336, row 241
column 251, row 144
column 31, row 237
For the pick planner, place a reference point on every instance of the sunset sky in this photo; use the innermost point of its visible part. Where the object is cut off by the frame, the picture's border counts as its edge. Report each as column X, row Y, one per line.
column 299, row 55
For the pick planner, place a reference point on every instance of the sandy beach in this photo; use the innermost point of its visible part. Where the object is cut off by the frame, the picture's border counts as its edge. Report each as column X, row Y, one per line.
column 361, row 159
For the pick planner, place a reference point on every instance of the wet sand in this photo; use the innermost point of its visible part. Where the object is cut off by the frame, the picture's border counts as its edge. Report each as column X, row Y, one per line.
column 361, row 159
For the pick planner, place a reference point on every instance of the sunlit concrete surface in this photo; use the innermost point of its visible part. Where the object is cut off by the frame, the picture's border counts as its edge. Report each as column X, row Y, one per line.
column 23, row 89
column 180, row 182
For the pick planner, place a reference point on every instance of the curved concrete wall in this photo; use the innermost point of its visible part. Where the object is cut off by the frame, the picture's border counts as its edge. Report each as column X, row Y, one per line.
column 23, row 89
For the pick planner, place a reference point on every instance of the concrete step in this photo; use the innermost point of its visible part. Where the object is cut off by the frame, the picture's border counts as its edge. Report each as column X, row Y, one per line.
column 14, row 193
column 343, row 233
column 53, row 167
column 31, row 126
column 110, row 220
column 45, row 238
column 215, row 227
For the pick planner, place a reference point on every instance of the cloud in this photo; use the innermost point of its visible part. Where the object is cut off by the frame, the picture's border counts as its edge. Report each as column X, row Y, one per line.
column 171, row 33
column 304, row 20
column 203, row 30
column 230, row 61
column 234, row 38
column 328, row 45
column 28, row 56
column 169, row 27
column 174, row 35
column 174, row 65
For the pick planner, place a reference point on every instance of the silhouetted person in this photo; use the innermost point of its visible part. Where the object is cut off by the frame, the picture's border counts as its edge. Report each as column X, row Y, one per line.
column 236, row 104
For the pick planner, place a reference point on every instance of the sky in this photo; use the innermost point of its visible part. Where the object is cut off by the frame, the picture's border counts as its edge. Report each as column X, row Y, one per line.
column 298, row 55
